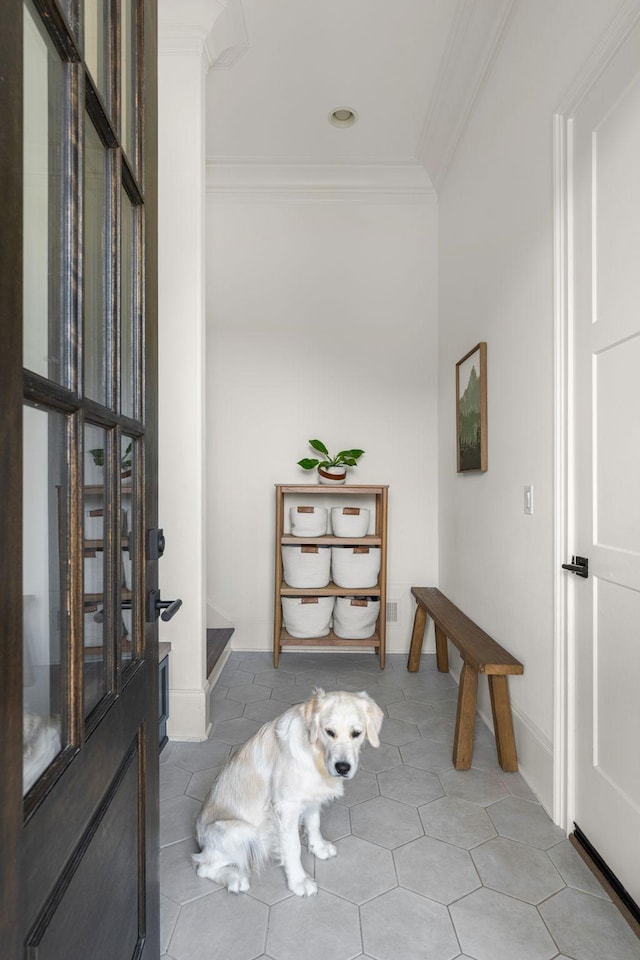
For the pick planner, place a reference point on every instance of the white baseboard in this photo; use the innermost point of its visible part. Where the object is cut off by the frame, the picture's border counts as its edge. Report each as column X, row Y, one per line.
column 188, row 715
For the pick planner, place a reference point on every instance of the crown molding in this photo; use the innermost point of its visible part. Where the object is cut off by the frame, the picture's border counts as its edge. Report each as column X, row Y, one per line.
column 212, row 29
column 236, row 180
column 474, row 38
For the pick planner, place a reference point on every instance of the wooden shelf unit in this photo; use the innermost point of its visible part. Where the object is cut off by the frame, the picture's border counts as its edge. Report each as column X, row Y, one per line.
column 343, row 493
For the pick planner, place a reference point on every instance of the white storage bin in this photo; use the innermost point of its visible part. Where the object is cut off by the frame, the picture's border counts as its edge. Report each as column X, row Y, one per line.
column 350, row 521
column 306, row 617
column 306, row 566
column 354, row 618
column 355, row 566
column 307, row 521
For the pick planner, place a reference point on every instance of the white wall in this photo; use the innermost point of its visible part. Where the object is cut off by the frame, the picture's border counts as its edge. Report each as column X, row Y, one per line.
column 321, row 322
column 496, row 284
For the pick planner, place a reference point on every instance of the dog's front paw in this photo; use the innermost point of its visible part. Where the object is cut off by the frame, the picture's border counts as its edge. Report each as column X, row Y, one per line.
column 304, row 888
column 324, row 850
column 238, row 884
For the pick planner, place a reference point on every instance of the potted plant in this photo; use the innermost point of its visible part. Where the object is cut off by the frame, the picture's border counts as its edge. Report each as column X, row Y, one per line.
column 97, row 455
column 330, row 469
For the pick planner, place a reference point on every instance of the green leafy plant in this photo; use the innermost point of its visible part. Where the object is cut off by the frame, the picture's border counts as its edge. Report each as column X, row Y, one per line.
column 98, row 457
column 348, row 458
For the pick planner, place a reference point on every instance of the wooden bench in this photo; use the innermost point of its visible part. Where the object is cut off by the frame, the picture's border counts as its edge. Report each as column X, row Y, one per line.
column 481, row 654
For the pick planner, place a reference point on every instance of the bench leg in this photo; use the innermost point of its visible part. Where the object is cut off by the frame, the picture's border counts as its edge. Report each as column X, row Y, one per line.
column 442, row 651
column 465, row 718
column 415, row 650
column 503, row 722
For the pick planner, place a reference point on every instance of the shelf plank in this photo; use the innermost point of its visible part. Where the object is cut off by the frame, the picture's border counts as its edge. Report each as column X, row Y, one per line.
column 330, row 640
column 331, row 590
column 327, row 540
column 344, row 488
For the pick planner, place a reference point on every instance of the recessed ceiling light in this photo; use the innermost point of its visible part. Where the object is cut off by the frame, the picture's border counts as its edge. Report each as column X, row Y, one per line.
column 343, row 117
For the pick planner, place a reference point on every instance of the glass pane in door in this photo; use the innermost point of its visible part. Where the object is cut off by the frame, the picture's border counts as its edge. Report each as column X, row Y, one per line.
column 127, row 77
column 128, row 307
column 45, row 670
column 95, row 43
column 95, row 590
column 43, row 217
column 96, row 249
column 128, row 544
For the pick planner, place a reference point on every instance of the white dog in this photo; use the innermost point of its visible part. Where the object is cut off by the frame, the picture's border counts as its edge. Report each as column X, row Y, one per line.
column 279, row 779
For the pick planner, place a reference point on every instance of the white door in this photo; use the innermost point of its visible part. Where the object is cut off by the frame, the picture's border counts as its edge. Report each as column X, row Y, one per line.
column 605, row 246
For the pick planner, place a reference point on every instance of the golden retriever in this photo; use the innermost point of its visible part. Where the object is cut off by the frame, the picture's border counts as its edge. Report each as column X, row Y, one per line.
column 278, row 780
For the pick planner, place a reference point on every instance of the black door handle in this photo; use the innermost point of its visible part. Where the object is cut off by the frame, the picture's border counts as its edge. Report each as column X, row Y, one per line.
column 171, row 607
column 155, row 604
column 579, row 566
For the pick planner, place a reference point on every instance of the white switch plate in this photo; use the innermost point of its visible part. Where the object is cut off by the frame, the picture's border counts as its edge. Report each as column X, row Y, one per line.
column 528, row 499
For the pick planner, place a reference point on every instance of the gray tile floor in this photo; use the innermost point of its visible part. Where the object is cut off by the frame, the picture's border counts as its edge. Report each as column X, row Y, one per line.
column 433, row 863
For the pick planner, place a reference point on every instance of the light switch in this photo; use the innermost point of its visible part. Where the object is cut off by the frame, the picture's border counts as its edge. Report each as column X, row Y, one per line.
column 528, row 499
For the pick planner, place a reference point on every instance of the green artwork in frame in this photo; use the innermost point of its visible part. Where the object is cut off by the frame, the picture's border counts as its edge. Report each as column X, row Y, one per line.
column 471, row 409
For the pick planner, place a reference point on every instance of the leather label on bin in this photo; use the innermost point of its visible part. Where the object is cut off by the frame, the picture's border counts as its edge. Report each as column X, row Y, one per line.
column 308, row 599
column 305, row 509
column 361, row 549
column 359, row 603
column 309, row 549
column 351, row 511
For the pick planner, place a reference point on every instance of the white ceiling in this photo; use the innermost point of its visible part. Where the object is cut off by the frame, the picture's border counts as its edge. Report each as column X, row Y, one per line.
column 410, row 69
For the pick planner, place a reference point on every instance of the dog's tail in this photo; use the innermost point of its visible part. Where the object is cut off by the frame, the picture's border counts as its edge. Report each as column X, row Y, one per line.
column 232, row 843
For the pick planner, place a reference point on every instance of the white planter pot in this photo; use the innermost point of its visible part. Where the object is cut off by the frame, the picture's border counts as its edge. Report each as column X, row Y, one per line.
column 306, row 617
column 354, row 618
column 306, row 566
column 332, row 475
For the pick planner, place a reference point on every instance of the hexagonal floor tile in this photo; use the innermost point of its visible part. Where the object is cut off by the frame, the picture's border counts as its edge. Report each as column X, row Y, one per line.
column 264, row 710
column 439, row 728
column 361, row 870
column 379, row 758
column 574, row 870
column 427, row 755
column 517, row 869
column 364, row 786
column 436, row 869
column 386, row 822
column 526, row 822
column 456, row 821
column 398, row 732
column 410, row 785
column 178, row 879
column 173, row 781
column 223, row 709
column 390, row 922
column 235, row 731
column 491, row 926
column 200, row 784
column 476, row 786
column 177, row 817
column 199, row 756
column 411, row 711
column 326, row 925
column 335, row 822
column 237, row 925
column 249, row 693
column 588, row 928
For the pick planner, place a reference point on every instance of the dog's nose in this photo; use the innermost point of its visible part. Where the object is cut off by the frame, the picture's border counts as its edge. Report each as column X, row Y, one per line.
column 342, row 768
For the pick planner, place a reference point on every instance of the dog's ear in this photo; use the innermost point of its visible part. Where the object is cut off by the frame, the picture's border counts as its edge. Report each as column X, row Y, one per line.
column 374, row 719
column 311, row 714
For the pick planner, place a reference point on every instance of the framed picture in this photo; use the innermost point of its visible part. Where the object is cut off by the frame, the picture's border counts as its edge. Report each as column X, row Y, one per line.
column 471, row 409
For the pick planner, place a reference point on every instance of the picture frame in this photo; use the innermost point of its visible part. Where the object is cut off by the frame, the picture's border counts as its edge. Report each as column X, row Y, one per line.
column 471, row 410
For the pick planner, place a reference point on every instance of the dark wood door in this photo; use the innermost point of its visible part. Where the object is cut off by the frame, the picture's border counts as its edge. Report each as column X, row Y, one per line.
column 78, row 480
